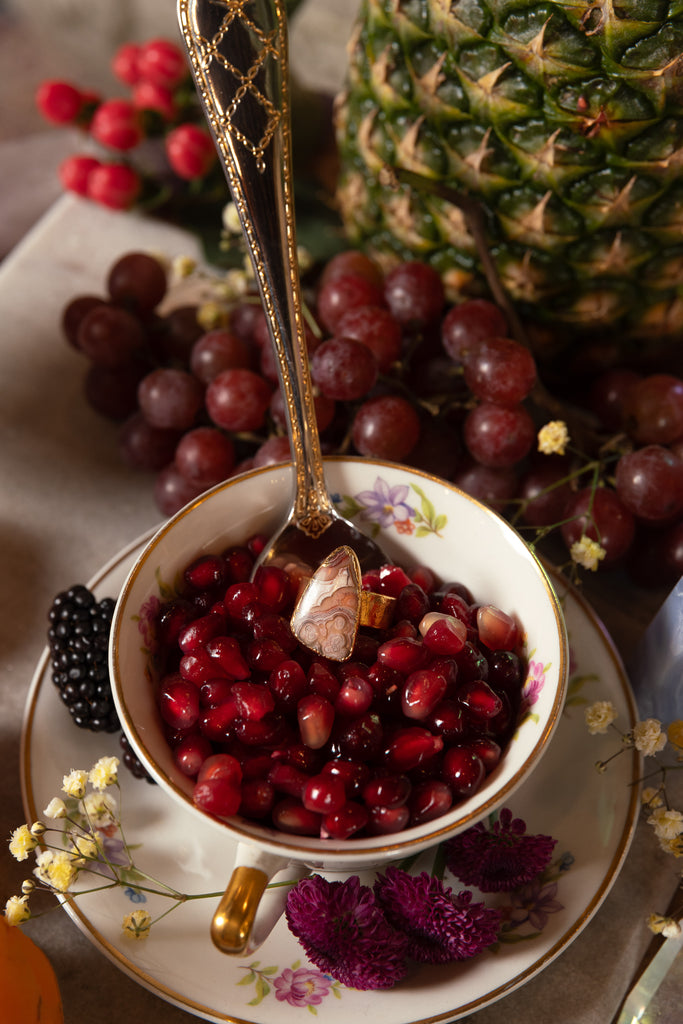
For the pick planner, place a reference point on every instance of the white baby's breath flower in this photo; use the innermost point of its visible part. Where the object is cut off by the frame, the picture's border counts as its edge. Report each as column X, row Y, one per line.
column 648, row 737
column 553, row 438
column 22, row 842
column 100, row 809
column 651, row 797
column 74, row 783
column 137, row 924
column 231, row 219
column 233, row 286
column 587, row 553
column 85, row 848
column 599, row 716
column 38, row 829
column 17, row 910
column 211, row 315
column 183, row 266
column 104, row 773
column 666, row 926
column 56, row 808
column 28, row 886
column 667, row 823
column 56, row 869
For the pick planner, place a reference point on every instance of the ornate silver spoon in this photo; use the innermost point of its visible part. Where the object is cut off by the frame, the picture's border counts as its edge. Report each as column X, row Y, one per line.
column 238, row 56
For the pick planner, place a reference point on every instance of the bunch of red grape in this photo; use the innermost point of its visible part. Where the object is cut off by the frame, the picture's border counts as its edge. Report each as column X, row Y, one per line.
column 162, row 105
column 398, row 374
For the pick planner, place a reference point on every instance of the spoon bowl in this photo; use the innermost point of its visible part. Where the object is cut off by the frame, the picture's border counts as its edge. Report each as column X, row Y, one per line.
column 239, row 60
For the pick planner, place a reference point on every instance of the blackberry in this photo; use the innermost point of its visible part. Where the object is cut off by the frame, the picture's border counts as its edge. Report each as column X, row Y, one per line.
column 132, row 762
column 78, row 639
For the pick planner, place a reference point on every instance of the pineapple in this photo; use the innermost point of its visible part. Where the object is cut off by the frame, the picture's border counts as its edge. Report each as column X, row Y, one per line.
column 561, row 118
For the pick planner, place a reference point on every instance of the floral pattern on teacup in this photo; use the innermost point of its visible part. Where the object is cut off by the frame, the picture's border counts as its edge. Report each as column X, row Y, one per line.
column 385, row 506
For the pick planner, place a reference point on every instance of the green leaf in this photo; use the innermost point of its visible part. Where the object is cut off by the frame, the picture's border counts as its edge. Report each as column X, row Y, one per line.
column 262, row 990
column 296, row 964
column 270, row 970
column 422, row 531
column 428, row 510
column 335, row 990
column 248, row 979
column 440, row 522
column 311, row 1009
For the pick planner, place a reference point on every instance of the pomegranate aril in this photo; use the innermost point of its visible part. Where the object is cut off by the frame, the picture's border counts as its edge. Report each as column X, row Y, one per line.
column 478, row 697
column 355, row 697
column 218, row 797
column 472, row 664
column 238, row 597
column 422, row 691
column 255, row 766
column 315, row 715
column 424, row 578
column 463, row 770
column 386, row 791
column 198, row 633
column 352, row 773
column 265, row 655
column 448, row 668
column 215, row 692
column 443, row 634
column 505, row 671
column 383, row 821
column 323, row 682
column 402, row 653
column 271, row 626
column 404, row 628
column 455, row 605
column 392, row 580
column 488, row 750
column 499, row 725
column 190, row 754
column 224, row 651
column 410, row 746
column 497, row 629
column 216, row 723
column 448, row 720
column 254, row 700
column 239, row 563
column 267, row 732
column 290, row 815
column 342, row 824
column 171, row 620
column 198, row 668
column 273, row 586
column 412, row 603
column 178, row 702
column 360, row 738
column 206, row 572
column 288, row 684
column 299, row 755
column 287, row 779
column 324, row 793
column 429, row 800
column 223, row 766
column 258, row 798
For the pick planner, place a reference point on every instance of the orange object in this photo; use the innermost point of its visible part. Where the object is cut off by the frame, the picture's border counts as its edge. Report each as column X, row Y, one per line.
column 29, row 992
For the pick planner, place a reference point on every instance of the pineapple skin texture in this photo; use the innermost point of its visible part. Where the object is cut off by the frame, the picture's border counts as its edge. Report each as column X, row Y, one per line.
column 562, row 119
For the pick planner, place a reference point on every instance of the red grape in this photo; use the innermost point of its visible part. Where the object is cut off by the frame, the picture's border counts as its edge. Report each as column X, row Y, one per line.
column 600, row 515
column 610, row 395
column 348, row 291
column 170, row 398
column 219, row 350
column 414, row 293
column 143, row 446
column 137, row 280
column 343, row 369
column 386, row 427
column 654, row 409
column 205, row 456
column 500, row 370
column 238, row 400
column 498, row 437
column 377, row 329
column 469, row 322
column 351, row 261
column 108, row 335
column 649, row 481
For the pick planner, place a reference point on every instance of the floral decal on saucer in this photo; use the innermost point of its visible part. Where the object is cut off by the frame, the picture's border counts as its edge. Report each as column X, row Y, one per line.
column 386, row 506
column 296, row 985
column 533, row 687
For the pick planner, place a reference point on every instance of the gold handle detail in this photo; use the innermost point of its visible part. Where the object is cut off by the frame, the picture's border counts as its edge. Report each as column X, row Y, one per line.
column 234, row 918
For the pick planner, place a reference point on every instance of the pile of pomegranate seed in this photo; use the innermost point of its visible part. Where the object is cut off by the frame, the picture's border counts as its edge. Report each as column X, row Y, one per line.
column 406, row 728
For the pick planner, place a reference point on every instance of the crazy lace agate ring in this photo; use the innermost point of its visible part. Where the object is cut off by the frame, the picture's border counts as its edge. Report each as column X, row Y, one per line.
column 332, row 606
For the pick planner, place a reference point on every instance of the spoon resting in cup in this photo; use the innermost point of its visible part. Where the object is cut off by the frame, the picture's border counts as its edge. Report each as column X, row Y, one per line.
column 238, row 57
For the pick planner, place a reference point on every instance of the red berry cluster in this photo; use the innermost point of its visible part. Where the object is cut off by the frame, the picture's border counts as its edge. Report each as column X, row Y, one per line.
column 408, row 727
column 398, row 374
column 161, row 105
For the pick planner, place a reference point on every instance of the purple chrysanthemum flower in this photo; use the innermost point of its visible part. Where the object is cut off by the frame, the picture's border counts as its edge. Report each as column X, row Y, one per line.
column 441, row 927
column 501, row 858
column 345, row 933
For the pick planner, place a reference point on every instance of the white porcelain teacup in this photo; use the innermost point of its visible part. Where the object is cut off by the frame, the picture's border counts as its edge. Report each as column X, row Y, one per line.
column 419, row 520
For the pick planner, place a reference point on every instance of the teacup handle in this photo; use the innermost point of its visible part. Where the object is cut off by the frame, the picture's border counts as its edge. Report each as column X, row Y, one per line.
column 237, row 928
